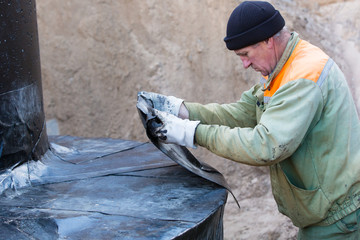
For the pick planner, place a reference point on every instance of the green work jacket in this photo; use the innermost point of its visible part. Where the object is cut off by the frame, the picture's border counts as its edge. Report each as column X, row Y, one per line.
column 300, row 121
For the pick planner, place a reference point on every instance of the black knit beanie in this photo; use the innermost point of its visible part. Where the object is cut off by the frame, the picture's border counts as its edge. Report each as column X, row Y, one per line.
column 252, row 22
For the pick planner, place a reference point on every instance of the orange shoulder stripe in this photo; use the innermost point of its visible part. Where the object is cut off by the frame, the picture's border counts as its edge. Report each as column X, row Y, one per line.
column 306, row 62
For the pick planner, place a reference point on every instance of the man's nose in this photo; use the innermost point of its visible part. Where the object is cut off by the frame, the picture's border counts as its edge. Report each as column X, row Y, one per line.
column 246, row 62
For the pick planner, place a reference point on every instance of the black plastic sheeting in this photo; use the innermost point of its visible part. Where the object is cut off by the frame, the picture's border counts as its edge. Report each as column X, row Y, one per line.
column 179, row 154
column 22, row 121
column 108, row 189
column 84, row 188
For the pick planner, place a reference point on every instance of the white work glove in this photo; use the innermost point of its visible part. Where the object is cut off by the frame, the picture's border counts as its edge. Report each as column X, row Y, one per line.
column 163, row 103
column 176, row 130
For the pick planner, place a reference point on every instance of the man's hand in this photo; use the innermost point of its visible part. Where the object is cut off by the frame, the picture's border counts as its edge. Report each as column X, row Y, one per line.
column 168, row 104
column 176, row 130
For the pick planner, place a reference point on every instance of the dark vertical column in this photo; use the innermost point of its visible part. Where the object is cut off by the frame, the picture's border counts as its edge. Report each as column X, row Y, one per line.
column 22, row 121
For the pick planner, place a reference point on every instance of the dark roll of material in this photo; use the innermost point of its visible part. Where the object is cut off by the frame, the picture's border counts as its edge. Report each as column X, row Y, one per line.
column 23, row 134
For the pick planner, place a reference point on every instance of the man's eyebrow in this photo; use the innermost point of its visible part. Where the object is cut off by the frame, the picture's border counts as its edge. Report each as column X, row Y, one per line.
column 242, row 53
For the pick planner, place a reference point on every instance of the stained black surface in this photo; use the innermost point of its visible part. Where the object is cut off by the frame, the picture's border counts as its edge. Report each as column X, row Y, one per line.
column 84, row 188
column 22, row 121
column 110, row 189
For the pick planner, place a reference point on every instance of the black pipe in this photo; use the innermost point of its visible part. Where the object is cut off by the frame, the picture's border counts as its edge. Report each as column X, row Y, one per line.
column 23, row 134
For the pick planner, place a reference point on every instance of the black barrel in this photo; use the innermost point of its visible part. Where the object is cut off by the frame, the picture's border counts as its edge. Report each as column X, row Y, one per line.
column 22, row 120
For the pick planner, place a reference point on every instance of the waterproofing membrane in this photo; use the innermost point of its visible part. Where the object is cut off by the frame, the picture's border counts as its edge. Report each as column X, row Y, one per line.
column 108, row 189
column 22, row 121
column 179, row 154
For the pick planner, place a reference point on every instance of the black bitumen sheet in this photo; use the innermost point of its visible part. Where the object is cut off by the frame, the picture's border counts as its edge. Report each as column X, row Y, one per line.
column 109, row 189
column 22, row 119
column 177, row 153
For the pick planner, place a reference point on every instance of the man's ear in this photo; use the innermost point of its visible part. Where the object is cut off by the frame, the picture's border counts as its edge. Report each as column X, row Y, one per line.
column 269, row 42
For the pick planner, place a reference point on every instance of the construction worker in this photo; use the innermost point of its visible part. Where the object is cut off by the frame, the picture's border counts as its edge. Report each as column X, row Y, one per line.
column 300, row 120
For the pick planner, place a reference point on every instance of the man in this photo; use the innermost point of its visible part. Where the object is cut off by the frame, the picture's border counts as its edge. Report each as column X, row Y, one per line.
column 300, row 121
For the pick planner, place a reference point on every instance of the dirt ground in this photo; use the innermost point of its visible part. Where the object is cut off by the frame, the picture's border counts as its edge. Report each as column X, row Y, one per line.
column 97, row 54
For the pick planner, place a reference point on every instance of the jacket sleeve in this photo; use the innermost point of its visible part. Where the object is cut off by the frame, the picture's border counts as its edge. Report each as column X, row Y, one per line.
column 241, row 113
column 293, row 109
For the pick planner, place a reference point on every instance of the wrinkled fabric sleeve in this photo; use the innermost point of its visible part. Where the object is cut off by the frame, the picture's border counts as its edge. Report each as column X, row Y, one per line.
column 289, row 114
column 239, row 114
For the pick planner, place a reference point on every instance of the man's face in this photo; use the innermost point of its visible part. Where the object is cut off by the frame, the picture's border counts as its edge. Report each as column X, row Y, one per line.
column 259, row 56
